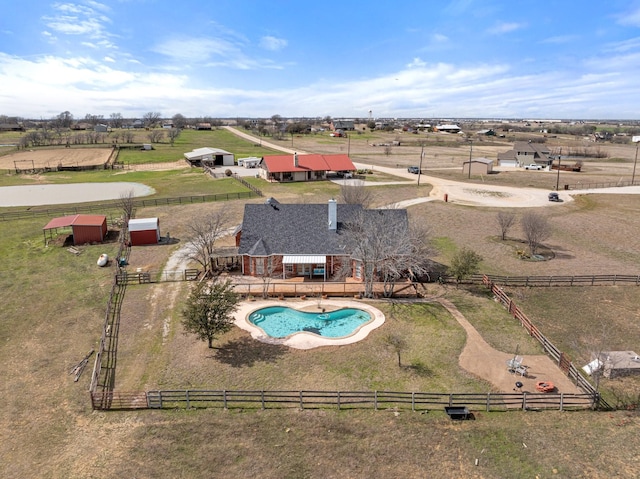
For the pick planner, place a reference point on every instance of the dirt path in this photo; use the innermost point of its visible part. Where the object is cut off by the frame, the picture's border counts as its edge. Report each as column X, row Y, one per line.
column 489, row 364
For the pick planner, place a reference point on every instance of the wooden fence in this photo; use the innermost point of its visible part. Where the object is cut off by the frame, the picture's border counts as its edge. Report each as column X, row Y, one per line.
column 124, row 277
column 600, row 184
column 547, row 281
column 563, row 361
column 342, row 400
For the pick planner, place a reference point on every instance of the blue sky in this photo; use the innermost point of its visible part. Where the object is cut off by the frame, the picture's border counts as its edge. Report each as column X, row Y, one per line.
column 417, row 58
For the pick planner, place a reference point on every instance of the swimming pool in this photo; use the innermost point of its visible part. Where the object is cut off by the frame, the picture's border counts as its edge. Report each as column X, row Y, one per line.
column 281, row 321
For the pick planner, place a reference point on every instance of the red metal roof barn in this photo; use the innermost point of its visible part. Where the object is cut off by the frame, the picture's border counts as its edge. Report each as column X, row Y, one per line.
column 144, row 231
column 85, row 228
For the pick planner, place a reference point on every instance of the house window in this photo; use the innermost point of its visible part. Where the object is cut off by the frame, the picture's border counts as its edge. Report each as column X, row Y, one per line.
column 260, row 266
column 358, row 271
column 289, row 268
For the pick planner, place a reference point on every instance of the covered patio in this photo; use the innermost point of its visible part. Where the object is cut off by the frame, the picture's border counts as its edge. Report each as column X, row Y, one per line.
column 304, row 265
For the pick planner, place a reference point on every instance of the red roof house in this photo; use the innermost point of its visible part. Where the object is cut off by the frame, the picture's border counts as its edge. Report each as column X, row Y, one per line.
column 303, row 167
column 85, row 228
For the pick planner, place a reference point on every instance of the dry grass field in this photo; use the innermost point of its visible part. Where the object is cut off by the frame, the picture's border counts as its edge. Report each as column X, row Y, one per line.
column 53, row 311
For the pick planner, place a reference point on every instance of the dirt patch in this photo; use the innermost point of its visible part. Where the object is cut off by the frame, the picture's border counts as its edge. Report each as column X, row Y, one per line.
column 51, row 158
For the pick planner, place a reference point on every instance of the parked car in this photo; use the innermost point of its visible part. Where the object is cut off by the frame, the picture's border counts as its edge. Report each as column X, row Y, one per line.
column 414, row 169
column 533, row 166
column 553, row 196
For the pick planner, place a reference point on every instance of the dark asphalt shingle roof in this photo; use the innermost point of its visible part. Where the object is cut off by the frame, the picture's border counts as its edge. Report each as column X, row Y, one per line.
column 303, row 229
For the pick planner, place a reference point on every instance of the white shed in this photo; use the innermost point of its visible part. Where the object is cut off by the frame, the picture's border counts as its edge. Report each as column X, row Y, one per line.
column 210, row 157
column 250, row 162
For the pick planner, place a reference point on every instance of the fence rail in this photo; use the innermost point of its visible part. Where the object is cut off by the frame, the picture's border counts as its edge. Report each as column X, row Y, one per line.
column 600, row 184
column 263, row 399
column 545, row 281
column 143, row 277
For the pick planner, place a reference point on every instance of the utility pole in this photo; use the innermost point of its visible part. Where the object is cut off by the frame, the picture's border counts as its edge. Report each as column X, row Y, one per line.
column 470, row 155
column 633, row 176
column 559, row 162
column 420, row 167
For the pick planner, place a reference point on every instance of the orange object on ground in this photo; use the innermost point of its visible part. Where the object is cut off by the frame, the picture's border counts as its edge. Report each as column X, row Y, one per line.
column 545, row 386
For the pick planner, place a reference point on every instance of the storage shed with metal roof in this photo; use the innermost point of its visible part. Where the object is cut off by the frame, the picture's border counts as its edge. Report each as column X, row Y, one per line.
column 144, row 231
column 85, row 228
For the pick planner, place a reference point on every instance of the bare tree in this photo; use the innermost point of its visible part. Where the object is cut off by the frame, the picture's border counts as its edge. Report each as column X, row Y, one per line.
column 126, row 205
column 155, row 136
column 536, row 229
column 385, row 248
column 179, row 121
column 203, row 234
column 151, row 118
column 173, row 135
column 355, row 193
column 116, row 120
column 505, row 219
column 398, row 344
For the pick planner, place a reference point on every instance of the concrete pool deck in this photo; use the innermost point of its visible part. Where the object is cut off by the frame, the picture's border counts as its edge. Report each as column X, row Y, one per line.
column 303, row 339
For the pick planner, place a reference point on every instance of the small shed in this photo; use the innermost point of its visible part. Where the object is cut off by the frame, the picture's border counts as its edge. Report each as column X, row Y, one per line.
column 479, row 166
column 85, row 228
column 250, row 162
column 144, row 231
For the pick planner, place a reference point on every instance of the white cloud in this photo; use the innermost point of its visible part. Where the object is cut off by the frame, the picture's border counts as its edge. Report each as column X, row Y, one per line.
column 631, row 18
column 505, row 27
column 416, row 62
column 439, row 38
column 272, row 43
column 195, row 50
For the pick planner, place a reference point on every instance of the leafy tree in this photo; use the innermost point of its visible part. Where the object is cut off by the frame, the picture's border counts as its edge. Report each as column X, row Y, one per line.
column 464, row 263
column 505, row 219
column 179, row 121
column 209, row 310
column 536, row 229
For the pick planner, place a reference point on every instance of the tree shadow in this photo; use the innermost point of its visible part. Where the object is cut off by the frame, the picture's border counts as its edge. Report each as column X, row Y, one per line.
column 421, row 369
column 245, row 352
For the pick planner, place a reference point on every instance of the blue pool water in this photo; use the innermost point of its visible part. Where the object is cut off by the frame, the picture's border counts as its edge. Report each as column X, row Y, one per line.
column 280, row 321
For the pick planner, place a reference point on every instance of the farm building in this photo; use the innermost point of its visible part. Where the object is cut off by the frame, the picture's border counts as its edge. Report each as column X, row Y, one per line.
column 144, row 231
column 303, row 167
column 479, row 166
column 85, row 228
column 209, row 157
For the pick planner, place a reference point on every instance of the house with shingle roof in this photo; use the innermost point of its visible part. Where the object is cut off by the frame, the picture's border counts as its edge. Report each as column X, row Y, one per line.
column 302, row 240
column 303, row 167
column 525, row 153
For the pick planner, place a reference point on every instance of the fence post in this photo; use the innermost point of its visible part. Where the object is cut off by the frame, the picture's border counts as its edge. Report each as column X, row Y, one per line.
column 413, row 401
column 561, row 401
column 262, row 399
column 488, row 402
column 338, row 400
column 224, row 398
column 187, row 396
column 301, row 401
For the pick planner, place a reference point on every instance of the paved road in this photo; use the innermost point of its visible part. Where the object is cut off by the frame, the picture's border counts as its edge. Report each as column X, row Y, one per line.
column 470, row 194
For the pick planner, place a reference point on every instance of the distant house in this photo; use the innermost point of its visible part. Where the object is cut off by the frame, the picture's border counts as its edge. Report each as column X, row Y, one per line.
column 303, row 167
column 479, row 166
column 11, row 127
column 101, row 128
column 203, row 126
column 342, row 125
column 209, row 157
column 525, row 153
column 448, row 128
column 301, row 240
column 85, row 228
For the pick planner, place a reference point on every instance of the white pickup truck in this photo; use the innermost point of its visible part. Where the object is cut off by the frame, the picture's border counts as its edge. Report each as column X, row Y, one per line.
column 533, row 166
